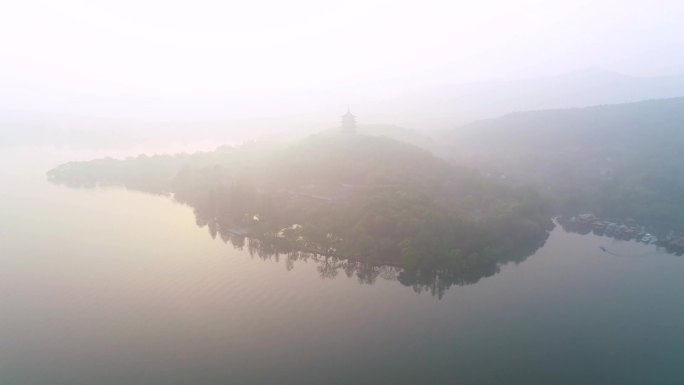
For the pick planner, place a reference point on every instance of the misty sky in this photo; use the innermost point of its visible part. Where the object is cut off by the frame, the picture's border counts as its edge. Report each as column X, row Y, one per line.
column 56, row 54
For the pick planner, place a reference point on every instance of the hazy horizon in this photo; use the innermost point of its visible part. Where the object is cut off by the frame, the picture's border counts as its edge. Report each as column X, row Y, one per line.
column 363, row 192
column 223, row 61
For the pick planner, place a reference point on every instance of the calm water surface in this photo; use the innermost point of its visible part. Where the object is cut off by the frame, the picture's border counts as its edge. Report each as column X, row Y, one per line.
column 118, row 287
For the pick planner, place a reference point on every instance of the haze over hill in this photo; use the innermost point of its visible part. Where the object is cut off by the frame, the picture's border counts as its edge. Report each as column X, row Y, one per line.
column 373, row 199
column 448, row 105
column 420, row 105
column 621, row 161
column 368, row 199
column 357, row 192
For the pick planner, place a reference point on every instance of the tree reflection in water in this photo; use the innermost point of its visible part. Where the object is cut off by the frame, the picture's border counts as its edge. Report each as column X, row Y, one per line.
column 331, row 266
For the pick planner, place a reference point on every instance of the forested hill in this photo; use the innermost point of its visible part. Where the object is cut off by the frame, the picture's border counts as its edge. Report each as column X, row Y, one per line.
column 371, row 199
column 640, row 123
column 623, row 160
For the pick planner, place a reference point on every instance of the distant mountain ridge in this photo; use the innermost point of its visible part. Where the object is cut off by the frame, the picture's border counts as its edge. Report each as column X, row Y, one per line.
column 422, row 103
column 605, row 122
column 443, row 106
column 621, row 161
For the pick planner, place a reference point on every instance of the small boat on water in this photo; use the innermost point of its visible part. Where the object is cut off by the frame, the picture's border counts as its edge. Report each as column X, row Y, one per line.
column 603, row 249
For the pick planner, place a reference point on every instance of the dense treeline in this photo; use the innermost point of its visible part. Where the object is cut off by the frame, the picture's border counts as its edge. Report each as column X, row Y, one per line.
column 371, row 199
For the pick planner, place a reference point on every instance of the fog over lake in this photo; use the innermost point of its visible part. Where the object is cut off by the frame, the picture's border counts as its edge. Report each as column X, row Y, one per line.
column 364, row 192
column 109, row 286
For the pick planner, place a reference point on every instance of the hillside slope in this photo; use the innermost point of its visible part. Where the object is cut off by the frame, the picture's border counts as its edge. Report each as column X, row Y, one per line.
column 619, row 161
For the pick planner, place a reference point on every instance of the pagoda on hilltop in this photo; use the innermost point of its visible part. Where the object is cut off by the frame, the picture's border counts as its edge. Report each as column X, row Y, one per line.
column 348, row 122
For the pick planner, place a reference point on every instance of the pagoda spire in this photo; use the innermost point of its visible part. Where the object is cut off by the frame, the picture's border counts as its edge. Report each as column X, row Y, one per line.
column 348, row 122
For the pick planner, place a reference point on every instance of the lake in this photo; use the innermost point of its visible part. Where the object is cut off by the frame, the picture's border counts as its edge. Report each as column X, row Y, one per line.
column 109, row 286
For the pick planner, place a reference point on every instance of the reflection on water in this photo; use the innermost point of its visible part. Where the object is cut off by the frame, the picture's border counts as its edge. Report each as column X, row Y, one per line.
column 330, row 266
